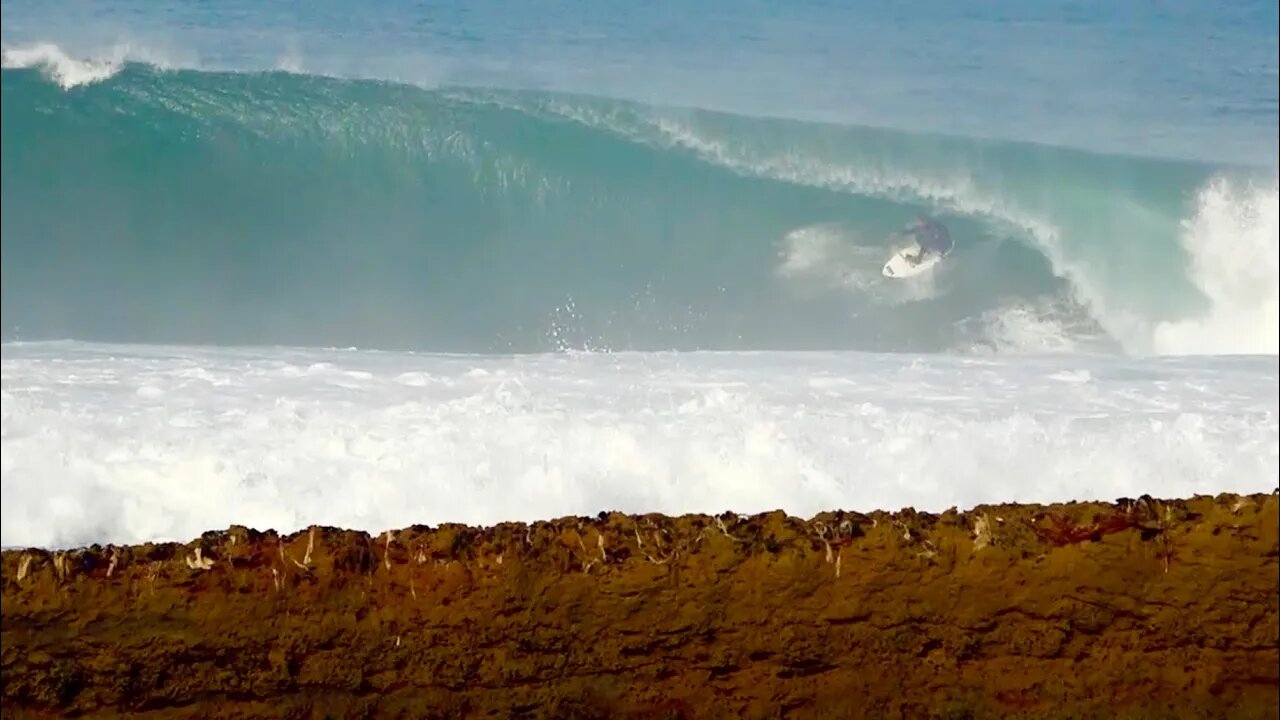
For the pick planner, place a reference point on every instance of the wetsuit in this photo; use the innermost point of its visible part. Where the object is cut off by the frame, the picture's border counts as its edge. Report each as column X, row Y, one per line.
column 932, row 238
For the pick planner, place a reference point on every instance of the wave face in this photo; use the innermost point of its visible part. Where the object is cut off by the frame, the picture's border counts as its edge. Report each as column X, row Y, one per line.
column 151, row 205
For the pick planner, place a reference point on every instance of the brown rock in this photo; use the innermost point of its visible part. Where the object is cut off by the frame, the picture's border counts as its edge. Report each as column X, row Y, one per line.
column 1139, row 609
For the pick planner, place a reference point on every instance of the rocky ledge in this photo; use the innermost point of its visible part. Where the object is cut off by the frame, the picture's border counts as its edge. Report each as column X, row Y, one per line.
column 1138, row 609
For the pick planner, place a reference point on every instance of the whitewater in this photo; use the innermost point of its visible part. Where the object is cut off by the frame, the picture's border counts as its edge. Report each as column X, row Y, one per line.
column 616, row 270
column 129, row 443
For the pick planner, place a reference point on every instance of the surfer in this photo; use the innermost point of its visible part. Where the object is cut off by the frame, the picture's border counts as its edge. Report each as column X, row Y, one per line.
column 930, row 235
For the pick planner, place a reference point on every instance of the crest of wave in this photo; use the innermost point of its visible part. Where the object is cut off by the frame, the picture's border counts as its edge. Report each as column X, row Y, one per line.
column 953, row 190
column 69, row 71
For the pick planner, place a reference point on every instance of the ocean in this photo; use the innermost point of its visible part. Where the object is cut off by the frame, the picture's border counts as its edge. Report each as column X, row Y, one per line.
column 278, row 263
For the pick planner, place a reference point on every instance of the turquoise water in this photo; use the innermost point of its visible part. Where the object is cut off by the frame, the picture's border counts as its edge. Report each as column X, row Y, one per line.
column 476, row 177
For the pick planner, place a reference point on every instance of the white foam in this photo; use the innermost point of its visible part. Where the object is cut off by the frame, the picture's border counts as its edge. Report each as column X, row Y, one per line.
column 1043, row 327
column 125, row 444
column 66, row 71
column 1232, row 242
column 811, row 250
column 827, row 257
column 69, row 71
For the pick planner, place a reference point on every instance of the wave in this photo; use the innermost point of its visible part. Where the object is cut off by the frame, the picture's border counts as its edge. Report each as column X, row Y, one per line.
column 176, row 205
column 70, row 72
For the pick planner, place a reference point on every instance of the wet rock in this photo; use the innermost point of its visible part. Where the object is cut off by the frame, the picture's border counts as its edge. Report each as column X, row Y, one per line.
column 1139, row 608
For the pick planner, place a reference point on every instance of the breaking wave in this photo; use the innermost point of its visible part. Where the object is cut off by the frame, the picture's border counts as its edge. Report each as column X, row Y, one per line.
column 173, row 205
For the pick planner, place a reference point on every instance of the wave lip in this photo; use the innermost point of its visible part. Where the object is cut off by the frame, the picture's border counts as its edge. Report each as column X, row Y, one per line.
column 61, row 68
column 69, row 71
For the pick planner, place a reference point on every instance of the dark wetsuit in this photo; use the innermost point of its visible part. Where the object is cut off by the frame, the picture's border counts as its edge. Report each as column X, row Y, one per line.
column 932, row 238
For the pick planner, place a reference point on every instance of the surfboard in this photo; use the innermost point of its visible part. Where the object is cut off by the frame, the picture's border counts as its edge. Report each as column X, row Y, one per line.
column 898, row 267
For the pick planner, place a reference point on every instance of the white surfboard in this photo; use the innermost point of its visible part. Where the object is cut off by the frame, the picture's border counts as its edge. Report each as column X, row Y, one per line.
column 899, row 267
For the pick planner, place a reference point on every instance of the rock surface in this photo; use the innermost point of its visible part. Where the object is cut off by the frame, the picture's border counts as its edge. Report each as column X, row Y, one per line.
column 1138, row 609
